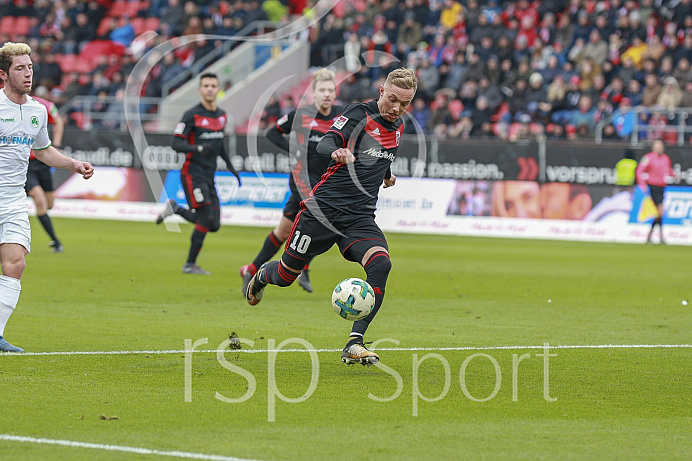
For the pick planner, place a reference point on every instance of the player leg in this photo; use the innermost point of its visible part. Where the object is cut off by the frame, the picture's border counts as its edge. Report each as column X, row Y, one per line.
column 172, row 207
column 43, row 196
column 307, row 239
column 304, row 279
column 15, row 237
column 659, row 218
column 273, row 242
column 657, row 197
column 366, row 245
column 201, row 199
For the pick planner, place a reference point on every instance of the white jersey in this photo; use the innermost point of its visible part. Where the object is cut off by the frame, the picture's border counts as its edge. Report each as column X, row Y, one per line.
column 22, row 128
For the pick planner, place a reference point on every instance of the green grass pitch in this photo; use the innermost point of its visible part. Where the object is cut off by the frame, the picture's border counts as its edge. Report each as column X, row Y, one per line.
column 465, row 382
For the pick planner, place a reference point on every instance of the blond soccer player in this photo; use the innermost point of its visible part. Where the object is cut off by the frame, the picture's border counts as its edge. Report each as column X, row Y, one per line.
column 23, row 127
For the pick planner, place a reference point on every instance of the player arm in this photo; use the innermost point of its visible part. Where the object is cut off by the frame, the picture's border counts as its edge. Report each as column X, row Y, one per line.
column 329, row 143
column 227, row 159
column 52, row 157
column 181, row 135
column 334, row 141
column 640, row 173
column 389, row 178
column 58, row 130
column 328, row 146
column 276, row 137
column 282, row 127
column 180, row 144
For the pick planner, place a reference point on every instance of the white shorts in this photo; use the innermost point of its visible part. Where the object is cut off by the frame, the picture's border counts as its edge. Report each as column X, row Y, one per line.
column 14, row 217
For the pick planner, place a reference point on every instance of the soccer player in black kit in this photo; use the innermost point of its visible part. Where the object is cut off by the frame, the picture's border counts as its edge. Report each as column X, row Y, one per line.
column 310, row 124
column 362, row 143
column 200, row 134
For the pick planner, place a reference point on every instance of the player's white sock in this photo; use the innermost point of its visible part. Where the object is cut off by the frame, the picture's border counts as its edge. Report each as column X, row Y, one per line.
column 9, row 296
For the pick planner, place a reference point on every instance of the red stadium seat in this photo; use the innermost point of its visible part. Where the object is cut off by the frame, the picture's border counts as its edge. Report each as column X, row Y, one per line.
column 670, row 137
column 118, row 8
column 63, row 61
column 82, row 66
column 6, row 24
column 152, row 24
column 92, row 50
column 69, row 62
column 78, row 118
column 103, row 26
column 138, row 24
column 21, row 26
column 64, row 81
column 135, row 7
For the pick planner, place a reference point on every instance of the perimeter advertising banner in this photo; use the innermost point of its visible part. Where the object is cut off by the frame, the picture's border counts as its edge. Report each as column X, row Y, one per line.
column 677, row 205
column 573, row 162
column 268, row 191
column 488, row 188
column 527, row 209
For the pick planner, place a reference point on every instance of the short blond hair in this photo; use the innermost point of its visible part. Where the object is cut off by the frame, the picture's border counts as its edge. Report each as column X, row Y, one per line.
column 322, row 75
column 403, row 78
column 8, row 51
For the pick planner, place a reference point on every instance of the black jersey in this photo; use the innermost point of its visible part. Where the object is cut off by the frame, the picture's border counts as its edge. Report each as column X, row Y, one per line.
column 200, row 126
column 309, row 125
column 353, row 188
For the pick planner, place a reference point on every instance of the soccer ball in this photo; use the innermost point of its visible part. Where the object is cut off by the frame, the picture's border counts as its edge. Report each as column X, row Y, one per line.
column 353, row 299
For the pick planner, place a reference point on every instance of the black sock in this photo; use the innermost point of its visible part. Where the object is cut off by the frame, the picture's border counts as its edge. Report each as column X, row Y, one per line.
column 657, row 221
column 361, row 326
column 275, row 274
column 188, row 215
column 196, row 242
column 48, row 226
column 269, row 249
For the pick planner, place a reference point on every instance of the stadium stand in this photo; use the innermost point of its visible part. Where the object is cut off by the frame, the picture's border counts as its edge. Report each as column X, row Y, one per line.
column 539, row 58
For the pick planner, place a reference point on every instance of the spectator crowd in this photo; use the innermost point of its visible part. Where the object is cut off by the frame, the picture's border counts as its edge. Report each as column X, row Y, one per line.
column 486, row 68
column 523, row 69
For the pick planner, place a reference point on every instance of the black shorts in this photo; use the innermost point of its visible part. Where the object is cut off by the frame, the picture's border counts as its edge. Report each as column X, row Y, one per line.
column 355, row 235
column 292, row 207
column 656, row 193
column 199, row 191
column 38, row 174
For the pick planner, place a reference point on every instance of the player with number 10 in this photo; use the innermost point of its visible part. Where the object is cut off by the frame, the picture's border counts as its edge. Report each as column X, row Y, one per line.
column 362, row 143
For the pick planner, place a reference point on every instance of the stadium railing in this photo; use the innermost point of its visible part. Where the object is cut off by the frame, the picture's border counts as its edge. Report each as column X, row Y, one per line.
column 677, row 129
column 81, row 112
column 253, row 29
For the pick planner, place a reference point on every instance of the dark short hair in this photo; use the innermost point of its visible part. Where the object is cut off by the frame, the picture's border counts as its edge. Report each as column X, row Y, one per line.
column 207, row 75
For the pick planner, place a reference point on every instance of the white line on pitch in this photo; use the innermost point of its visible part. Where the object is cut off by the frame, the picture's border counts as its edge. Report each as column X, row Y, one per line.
column 394, row 349
column 125, row 449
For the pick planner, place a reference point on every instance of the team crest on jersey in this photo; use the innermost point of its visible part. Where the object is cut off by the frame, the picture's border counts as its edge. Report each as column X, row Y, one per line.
column 340, row 122
column 282, row 120
column 179, row 128
column 34, row 121
column 376, row 131
column 398, row 137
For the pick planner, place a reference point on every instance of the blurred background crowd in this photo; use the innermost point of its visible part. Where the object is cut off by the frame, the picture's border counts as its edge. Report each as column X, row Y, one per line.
column 486, row 68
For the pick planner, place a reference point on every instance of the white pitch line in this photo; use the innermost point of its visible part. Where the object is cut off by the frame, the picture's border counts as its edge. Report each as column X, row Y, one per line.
column 393, row 349
column 121, row 448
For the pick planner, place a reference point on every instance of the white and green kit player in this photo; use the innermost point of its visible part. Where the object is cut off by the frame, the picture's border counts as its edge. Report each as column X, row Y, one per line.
column 23, row 126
